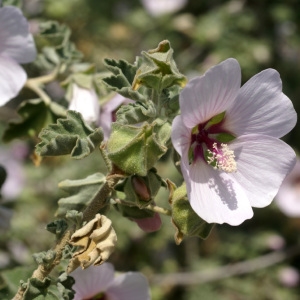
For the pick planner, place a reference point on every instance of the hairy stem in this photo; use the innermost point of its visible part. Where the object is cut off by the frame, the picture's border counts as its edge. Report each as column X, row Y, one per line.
column 99, row 201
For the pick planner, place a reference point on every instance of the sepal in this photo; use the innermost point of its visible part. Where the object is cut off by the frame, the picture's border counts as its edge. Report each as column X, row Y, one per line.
column 135, row 149
column 185, row 220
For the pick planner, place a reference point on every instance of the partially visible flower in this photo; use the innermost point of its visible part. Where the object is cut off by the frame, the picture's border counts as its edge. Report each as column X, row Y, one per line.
column 289, row 276
column 86, row 102
column 99, row 282
column 275, row 242
column 16, row 47
column 288, row 197
column 108, row 113
column 161, row 7
column 12, row 159
column 228, row 140
column 150, row 224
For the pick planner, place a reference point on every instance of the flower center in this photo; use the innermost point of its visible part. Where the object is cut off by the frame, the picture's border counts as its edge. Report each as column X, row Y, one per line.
column 209, row 141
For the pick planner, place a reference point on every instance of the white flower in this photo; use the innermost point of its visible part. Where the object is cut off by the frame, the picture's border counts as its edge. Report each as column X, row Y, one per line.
column 161, row 7
column 288, row 197
column 16, row 46
column 86, row 102
column 100, row 281
column 228, row 139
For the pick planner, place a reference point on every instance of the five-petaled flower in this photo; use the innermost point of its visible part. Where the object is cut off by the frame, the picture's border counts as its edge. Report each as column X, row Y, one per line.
column 99, row 282
column 16, row 47
column 228, row 140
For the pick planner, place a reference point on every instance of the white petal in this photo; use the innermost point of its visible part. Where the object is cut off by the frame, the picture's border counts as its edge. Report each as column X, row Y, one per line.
column 131, row 285
column 86, row 102
column 181, row 135
column 92, row 281
column 262, row 162
column 208, row 95
column 216, row 196
column 261, row 107
column 12, row 79
column 15, row 40
column 161, row 7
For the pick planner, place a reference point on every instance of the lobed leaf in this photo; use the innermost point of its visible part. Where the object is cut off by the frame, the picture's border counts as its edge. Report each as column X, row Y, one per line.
column 69, row 136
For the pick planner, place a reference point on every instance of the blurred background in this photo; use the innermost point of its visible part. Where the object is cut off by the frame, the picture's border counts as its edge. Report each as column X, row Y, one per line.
column 260, row 34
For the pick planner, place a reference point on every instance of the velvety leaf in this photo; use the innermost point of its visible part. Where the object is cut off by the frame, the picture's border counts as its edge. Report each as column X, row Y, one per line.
column 81, row 192
column 35, row 115
column 134, row 113
column 36, row 289
column 69, row 136
column 158, row 70
column 13, row 277
column 121, row 81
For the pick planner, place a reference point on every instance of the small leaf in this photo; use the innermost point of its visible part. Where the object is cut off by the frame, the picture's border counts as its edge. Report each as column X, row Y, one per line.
column 35, row 115
column 81, row 192
column 224, row 137
column 69, row 136
column 121, row 81
column 134, row 113
column 158, row 69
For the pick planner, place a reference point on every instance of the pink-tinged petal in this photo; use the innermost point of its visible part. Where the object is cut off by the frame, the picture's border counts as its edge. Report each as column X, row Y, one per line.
column 12, row 79
column 288, row 197
column 261, row 107
column 211, row 94
column 131, row 285
column 181, row 135
column 149, row 224
column 216, row 196
column 92, row 281
column 15, row 40
column 262, row 162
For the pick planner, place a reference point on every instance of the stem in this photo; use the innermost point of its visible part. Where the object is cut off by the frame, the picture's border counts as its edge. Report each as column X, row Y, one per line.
column 245, row 267
column 152, row 207
column 35, row 84
column 97, row 203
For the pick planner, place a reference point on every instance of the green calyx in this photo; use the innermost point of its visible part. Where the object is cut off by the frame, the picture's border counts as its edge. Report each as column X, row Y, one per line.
column 135, row 149
column 184, row 218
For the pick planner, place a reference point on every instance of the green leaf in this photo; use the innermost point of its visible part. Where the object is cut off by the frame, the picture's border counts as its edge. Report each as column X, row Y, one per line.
column 69, row 136
column 134, row 113
column 13, row 276
column 35, row 115
column 36, row 289
column 81, row 192
column 56, row 47
column 185, row 220
column 158, row 69
column 121, row 81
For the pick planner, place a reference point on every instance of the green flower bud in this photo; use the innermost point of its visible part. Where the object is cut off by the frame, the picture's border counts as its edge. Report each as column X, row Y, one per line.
column 135, row 149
